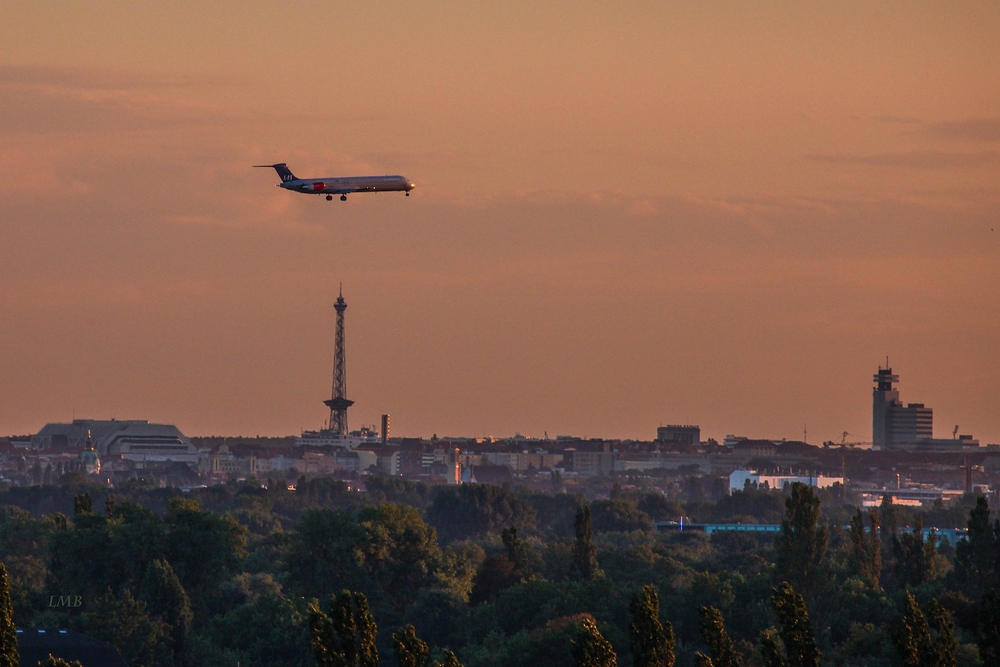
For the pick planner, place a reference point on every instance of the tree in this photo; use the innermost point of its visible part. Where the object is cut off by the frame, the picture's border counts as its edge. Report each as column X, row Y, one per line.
column 721, row 650
column 976, row 557
column 802, row 543
column 989, row 629
column 584, row 551
column 59, row 662
column 345, row 637
column 517, row 551
column 410, row 650
column 591, row 649
column 916, row 559
column 203, row 548
column 943, row 646
column 123, row 621
column 474, row 510
column 925, row 640
column 8, row 633
column 797, row 641
column 620, row 515
column 867, row 548
column 652, row 642
column 167, row 600
column 83, row 504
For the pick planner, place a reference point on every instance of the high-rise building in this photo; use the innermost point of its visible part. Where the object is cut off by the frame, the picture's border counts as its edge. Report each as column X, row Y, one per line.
column 893, row 424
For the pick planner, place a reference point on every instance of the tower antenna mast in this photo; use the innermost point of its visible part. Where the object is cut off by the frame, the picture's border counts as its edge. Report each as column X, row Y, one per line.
column 338, row 402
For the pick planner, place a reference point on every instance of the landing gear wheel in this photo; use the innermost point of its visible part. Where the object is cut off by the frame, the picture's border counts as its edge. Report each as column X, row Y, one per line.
column 407, row 194
column 343, row 197
column 329, row 197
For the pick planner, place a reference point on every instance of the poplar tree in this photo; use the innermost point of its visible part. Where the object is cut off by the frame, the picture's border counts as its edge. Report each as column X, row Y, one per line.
column 83, row 504
column 916, row 559
column 802, row 542
column 345, row 637
column 925, row 640
column 652, row 641
column 517, row 552
column 9, row 656
column 584, row 551
column 721, row 650
column 989, row 629
column 411, row 651
column 797, row 641
column 591, row 649
column 867, row 547
column 976, row 557
column 166, row 598
column 943, row 645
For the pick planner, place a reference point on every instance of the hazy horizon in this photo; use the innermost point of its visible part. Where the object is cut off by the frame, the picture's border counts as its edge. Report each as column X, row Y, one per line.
column 725, row 214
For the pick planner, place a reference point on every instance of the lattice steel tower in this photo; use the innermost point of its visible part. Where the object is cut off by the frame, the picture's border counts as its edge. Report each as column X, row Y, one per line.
column 338, row 403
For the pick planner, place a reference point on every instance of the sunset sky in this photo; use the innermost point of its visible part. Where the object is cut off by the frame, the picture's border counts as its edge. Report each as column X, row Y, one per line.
column 626, row 215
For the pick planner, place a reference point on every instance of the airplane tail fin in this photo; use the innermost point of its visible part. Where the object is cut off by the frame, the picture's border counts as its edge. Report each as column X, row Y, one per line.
column 284, row 173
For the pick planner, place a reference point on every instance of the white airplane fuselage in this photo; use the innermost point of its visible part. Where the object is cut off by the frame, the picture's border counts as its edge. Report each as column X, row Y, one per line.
column 348, row 185
column 342, row 186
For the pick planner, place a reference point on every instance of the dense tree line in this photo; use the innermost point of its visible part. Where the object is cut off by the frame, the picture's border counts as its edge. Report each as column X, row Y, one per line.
column 486, row 576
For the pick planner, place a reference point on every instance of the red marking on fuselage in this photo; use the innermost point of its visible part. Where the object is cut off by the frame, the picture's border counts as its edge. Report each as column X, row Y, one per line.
column 319, row 186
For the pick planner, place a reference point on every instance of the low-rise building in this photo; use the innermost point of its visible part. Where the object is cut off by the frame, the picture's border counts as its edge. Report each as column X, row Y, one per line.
column 741, row 479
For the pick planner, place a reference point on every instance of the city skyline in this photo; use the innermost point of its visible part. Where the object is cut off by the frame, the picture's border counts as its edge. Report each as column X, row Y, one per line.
column 725, row 215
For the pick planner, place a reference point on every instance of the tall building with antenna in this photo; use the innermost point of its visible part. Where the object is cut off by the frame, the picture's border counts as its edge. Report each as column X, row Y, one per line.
column 910, row 426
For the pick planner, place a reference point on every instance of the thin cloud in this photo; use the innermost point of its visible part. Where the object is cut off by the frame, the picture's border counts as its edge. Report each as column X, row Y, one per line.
column 915, row 159
column 43, row 109
column 100, row 79
column 971, row 129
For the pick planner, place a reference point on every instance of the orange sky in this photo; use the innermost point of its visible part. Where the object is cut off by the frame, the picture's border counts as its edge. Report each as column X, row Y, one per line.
column 722, row 213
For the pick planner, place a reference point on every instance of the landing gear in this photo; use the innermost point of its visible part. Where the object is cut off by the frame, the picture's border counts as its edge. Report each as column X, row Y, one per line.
column 329, row 197
column 407, row 194
column 343, row 197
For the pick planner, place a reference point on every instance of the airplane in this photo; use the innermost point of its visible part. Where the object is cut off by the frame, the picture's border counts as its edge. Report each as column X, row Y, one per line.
column 338, row 186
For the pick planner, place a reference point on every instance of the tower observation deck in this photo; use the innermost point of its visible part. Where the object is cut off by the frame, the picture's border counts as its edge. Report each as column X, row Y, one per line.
column 338, row 402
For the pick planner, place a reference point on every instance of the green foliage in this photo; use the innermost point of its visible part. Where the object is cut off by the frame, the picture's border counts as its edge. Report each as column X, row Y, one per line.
column 83, row 504
column 652, row 642
column 976, row 557
column 167, row 600
column 398, row 490
column 268, row 630
column 802, row 543
column 917, row 561
column 409, row 649
column 386, row 551
column 722, row 651
column 867, row 547
column 989, row 629
column 799, row 645
column 123, row 621
column 584, row 552
column 8, row 633
column 619, row 516
column 591, row 649
column 203, row 548
column 474, row 510
column 345, row 637
column 59, row 662
column 925, row 640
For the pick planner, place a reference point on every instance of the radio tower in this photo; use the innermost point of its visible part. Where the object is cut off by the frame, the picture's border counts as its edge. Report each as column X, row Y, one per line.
column 338, row 403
